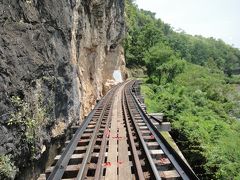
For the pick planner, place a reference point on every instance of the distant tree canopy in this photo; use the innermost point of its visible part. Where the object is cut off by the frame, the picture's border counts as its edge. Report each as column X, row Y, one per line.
column 145, row 31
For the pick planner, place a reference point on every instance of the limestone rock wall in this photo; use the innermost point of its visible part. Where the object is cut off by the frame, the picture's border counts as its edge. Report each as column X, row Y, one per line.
column 55, row 59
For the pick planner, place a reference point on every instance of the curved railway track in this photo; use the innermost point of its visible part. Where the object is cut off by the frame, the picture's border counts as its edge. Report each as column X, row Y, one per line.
column 118, row 141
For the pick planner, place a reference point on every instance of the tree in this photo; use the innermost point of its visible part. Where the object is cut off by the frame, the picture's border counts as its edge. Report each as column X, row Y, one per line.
column 156, row 56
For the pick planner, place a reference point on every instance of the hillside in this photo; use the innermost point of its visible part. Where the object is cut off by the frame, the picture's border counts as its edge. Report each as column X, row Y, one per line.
column 189, row 78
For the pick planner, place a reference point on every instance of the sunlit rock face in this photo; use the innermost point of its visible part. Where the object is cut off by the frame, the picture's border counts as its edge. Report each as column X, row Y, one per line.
column 57, row 56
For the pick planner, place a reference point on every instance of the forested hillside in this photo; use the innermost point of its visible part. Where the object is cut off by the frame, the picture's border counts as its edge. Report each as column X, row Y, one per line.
column 146, row 34
column 189, row 79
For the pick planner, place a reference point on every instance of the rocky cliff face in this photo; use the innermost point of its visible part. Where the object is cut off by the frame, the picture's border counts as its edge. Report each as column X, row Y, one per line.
column 56, row 56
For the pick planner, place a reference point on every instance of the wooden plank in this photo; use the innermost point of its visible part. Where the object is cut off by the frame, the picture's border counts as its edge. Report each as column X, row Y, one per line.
column 42, row 177
column 79, row 148
column 142, row 124
column 89, row 130
column 146, row 132
column 156, row 152
column 68, row 168
column 111, row 171
column 169, row 174
column 143, row 127
column 79, row 156
column 152, row 144
column 124, row 165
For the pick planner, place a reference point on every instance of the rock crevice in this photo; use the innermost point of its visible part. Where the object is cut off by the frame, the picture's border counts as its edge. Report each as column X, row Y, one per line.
column 55, row 55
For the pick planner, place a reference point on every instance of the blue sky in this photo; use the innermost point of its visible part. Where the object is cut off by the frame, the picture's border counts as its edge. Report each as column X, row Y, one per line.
column 209, row 18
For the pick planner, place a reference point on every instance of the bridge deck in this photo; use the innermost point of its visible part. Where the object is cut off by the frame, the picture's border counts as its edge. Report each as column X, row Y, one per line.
column 118, row 141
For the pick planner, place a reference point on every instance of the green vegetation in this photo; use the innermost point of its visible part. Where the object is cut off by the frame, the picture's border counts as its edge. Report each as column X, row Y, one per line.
column 31, row 117
column 189, row 79
column 203, row 111
column 7, row 168
column 146, row 34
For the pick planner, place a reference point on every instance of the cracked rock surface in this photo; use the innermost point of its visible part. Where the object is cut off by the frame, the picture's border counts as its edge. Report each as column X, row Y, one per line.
column 56, row 56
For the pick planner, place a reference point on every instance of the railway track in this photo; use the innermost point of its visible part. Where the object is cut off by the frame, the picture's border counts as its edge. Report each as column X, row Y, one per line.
column 118, row 141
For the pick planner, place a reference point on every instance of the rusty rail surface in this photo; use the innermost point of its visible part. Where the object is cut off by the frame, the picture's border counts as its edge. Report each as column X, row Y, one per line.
column 149, row 154
column 169, row 158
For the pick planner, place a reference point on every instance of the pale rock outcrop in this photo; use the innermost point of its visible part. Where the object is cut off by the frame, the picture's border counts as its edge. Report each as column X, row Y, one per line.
column 56, row 56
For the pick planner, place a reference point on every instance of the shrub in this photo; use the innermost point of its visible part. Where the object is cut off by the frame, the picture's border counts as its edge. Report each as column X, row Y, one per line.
column 31, row 117
column 7, row 167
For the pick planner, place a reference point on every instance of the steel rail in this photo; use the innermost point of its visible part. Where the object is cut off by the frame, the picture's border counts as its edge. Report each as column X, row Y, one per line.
column 144, row 145
column 132, row 143
column 82, row 170
column 130, row 108
column 103, row 148
column 62, row 163
column 183, row 169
